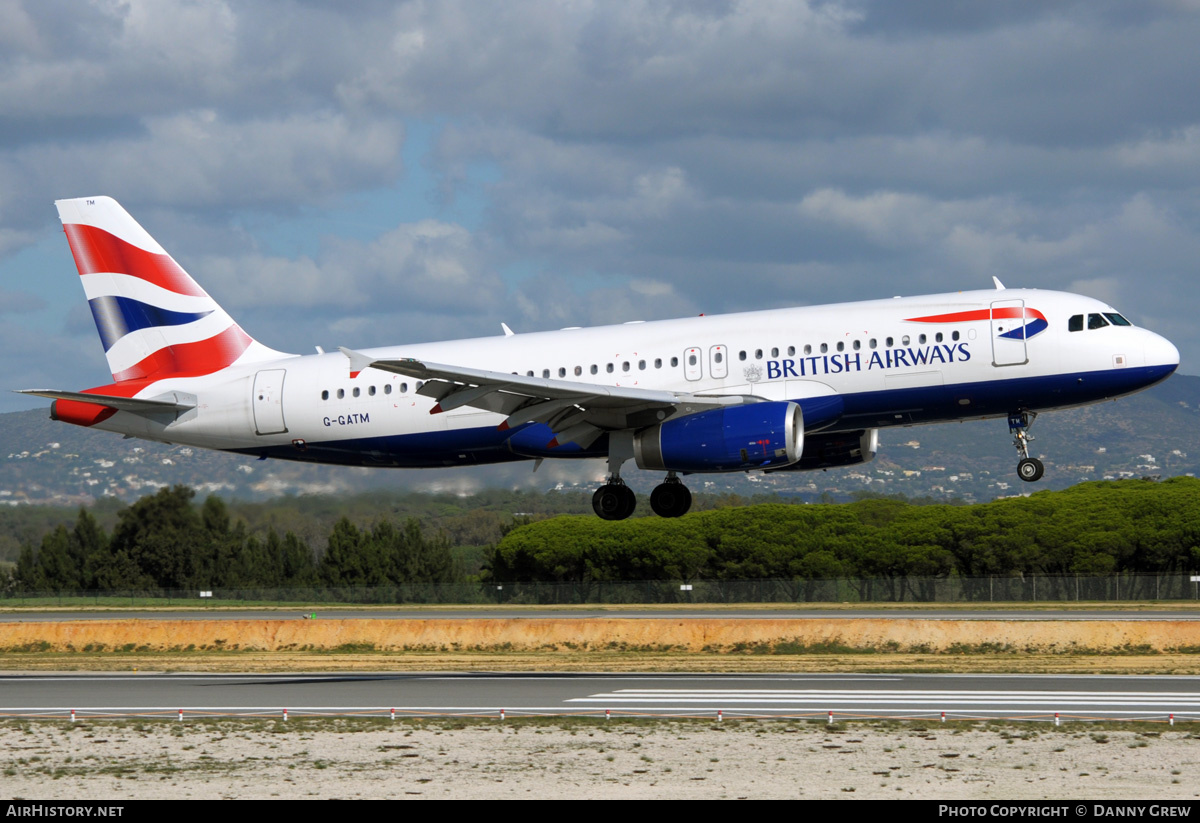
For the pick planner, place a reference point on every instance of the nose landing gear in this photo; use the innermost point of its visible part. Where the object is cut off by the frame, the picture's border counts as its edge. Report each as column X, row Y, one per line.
column 1029, row 469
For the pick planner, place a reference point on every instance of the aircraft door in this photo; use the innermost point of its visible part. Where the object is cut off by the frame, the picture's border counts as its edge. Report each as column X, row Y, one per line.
column 1008, row 333
column 718, row 362
column 267, row 402
column 692, row 367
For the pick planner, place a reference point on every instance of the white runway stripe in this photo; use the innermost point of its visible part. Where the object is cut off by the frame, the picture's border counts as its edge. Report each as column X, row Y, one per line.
column 893, row 698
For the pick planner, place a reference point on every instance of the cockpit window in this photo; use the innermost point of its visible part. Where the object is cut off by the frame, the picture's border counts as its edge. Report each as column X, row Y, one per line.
column 1075, row 323
column 1116, row 319
column 1096, row 321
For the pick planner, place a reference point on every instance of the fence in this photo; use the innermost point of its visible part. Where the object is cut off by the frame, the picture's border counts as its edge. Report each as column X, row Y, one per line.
column 953, row 589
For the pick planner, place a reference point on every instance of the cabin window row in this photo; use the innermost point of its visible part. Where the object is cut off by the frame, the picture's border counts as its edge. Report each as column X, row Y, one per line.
column 854, row 345
column 371, row 391
column 758, row 354
column 609, row 368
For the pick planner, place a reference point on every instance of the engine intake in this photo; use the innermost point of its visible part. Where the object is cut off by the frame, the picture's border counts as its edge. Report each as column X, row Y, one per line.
column 735, row 438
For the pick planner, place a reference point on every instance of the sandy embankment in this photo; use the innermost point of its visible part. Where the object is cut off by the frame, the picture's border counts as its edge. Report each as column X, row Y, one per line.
column 780, row 636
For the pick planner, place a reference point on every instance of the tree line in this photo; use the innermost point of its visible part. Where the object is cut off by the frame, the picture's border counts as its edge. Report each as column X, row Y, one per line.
column 1091, row 529
column 164, row 541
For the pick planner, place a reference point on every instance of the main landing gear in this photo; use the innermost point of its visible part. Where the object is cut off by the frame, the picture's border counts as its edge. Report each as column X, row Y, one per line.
column 1029, row 469
column 671, row 498
column 616, row 501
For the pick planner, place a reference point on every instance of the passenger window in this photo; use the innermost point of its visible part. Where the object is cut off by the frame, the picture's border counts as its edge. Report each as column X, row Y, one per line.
column 356, row 391
column 404, row 388
column 609, row 368
column 953, row 335
column 905, row 340
column 691, row 359
column 921, row 339
column 774, row 352
column 325, row 394
column 1095, row 321
column 579, row 371
column 1075, row 323
column 841, row 346
column 594, row 369
column 824, row 348
column 529, row 373
column 562, row 372
column 625, row 366
column 387, row 389
column 791, row 351
column 658, row 362
column 871, row 343
column 545, row 373
column 857, row 345
column 937, row 337
column 341, row 394
column 641, row 365
column 741, row 355
column 371, row 391
column 718, row 357
column 758, row 354
column 807, row 348
column 674, row 362
column 890, row 342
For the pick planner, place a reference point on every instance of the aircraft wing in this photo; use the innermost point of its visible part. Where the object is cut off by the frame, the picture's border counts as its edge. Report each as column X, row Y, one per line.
column 575, row 411
column 174, row 402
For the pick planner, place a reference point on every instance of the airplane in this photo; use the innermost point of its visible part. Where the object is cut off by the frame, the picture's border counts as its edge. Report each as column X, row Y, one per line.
column 778, row 390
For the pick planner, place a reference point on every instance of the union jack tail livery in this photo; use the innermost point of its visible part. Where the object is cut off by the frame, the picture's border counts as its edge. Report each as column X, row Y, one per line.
column 154, row 320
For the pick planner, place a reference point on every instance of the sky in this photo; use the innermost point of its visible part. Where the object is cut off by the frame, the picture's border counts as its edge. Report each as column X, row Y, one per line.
column 374, row 173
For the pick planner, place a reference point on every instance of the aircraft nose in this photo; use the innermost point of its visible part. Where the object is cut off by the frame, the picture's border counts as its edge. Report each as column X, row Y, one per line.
column 1161, row 352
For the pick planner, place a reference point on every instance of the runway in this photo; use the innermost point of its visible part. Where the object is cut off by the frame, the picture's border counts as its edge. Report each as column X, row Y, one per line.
column 1026, row 697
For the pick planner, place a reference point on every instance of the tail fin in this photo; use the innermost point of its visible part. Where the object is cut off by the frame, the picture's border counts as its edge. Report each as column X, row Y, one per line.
column 153, row 318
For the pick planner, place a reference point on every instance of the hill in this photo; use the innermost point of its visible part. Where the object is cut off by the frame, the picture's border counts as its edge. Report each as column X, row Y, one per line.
column 1154, row 433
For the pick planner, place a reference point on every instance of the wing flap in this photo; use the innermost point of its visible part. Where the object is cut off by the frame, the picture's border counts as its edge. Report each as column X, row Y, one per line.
column 585, row 410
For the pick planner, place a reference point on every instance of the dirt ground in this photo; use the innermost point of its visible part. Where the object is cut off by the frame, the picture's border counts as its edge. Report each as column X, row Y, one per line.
column 594, row 759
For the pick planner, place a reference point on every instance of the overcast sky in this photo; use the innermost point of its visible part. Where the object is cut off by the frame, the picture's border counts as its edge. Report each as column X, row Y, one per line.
column 371, row 173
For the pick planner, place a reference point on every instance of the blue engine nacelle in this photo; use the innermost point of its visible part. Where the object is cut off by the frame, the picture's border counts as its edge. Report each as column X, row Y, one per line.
column 731, row 439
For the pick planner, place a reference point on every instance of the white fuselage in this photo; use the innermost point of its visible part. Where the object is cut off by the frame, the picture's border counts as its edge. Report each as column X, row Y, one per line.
column 888, row 362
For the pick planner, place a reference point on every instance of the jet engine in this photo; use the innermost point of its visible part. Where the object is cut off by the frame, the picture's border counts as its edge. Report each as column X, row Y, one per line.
column 828, row 451
column 734, row 438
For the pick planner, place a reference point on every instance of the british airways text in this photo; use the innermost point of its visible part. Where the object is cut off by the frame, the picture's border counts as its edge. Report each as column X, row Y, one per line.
column 887, row 359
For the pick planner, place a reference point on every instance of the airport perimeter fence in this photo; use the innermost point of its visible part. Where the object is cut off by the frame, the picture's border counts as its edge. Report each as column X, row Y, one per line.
column 987, row 589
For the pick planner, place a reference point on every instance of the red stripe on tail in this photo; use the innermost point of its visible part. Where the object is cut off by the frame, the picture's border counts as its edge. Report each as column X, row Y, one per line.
column 191, row 359
column 95, row 250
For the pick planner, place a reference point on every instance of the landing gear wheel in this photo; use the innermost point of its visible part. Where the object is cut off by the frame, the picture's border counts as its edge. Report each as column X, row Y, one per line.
column 614, row 501
column 670, row 499
column 1030, row 469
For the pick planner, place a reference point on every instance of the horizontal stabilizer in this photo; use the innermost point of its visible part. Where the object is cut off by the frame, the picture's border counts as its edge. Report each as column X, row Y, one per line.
column 172, row 402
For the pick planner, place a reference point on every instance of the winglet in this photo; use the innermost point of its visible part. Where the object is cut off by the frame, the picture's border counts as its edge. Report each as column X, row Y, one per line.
column 999, row 285
column 507, row 331
column 358, row 361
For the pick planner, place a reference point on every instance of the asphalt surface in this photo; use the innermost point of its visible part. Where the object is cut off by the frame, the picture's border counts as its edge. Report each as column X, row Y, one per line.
column 932, row 613
column 1030, row 697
